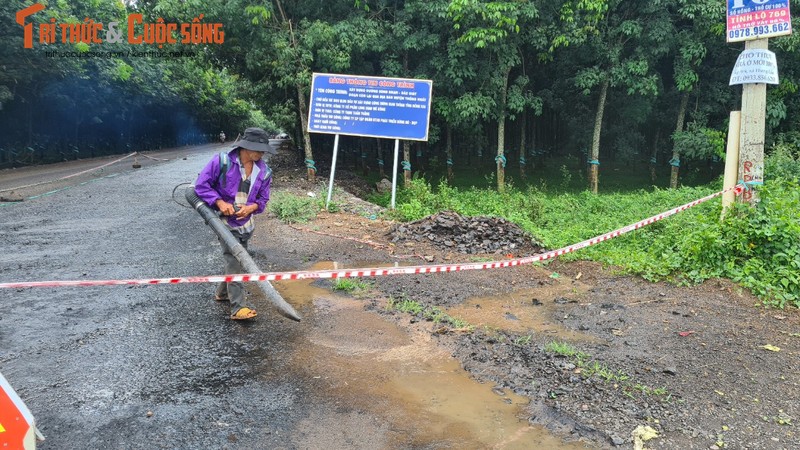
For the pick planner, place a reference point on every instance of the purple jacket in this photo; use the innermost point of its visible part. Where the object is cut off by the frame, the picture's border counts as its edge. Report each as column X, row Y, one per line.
column 209, row 190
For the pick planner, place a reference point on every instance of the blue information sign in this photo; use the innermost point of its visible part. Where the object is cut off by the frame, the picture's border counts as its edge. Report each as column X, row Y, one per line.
column 393, row 108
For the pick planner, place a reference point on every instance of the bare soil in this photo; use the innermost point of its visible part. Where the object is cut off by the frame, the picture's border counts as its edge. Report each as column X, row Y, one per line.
column 705, row 367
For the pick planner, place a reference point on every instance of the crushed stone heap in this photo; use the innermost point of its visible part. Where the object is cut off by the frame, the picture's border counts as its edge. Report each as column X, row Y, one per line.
column 451, row 231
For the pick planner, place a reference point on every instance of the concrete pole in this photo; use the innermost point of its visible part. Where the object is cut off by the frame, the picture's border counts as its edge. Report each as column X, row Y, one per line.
column 751, row 135
column 731, row 160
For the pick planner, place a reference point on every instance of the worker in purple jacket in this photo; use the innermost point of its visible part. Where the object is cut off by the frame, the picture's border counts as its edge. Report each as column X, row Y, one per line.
column 237, row 185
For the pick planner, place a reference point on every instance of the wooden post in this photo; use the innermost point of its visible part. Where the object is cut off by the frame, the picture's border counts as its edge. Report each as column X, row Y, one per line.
column 751, row 135
column 731, row 160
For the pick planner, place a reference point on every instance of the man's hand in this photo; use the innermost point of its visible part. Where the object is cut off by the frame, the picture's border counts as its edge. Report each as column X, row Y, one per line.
column 246, row 210
column 225, row 208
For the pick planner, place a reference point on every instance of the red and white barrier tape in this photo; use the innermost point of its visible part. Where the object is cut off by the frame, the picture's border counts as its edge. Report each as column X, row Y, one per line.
column 69, row 176
column 150, row 157
column 378, row 271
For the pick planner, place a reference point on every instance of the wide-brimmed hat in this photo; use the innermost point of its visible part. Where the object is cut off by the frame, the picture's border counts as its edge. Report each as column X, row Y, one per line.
column 257, row 140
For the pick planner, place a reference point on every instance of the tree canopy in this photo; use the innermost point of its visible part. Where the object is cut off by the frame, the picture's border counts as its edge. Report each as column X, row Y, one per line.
column 513, row 81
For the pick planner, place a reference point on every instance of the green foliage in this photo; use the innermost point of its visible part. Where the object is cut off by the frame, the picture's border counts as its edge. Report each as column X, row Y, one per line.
column 784, row 160
column 405, row 305
column 564, row 349
column 292, row 208
column 420, row 200
column 431, row 313
column 350, row 285
column 590, row 368
column 699, row 142
column 756, row 247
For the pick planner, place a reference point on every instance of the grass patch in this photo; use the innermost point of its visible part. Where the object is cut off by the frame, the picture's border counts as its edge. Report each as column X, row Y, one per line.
column 589, row 368
column 350, row 285
column 755, row 247
column 292, row 208
column 431, row 313
column 564, row 349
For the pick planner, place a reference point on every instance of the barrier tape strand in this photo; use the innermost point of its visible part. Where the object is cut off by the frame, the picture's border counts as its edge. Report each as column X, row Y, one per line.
column 378, row 271
column 70, row 176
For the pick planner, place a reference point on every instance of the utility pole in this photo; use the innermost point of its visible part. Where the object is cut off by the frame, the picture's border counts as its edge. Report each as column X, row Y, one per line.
column 754, row 22
column 751, row 134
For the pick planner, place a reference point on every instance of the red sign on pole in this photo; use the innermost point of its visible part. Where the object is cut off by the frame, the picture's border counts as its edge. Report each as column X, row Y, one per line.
column 15, row 420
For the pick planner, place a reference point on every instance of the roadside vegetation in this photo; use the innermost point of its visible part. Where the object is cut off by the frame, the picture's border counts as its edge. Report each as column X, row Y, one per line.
column 522, row 91
column 292, row 208
column 427, row 312
column 586, row 367
column 758, row 248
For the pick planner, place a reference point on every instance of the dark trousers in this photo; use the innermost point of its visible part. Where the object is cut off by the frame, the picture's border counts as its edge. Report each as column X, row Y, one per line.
column 234, row 291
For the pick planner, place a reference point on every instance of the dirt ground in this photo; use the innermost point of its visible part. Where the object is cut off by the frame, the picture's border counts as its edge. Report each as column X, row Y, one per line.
column 601, row 359
column 704, row 367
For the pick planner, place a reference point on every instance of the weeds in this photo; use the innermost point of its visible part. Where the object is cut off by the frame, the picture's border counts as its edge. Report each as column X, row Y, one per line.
column 349, row 285
column 589, row 368
column 432, row 313
column 293, row 208
column 753, row 246
column 523, row 340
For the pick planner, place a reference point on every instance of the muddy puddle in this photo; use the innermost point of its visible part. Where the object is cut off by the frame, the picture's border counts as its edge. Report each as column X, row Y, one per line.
column 525, row 311
column 395, row 388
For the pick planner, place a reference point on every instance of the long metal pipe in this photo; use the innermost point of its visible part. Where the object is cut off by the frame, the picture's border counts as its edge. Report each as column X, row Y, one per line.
column 239, row 252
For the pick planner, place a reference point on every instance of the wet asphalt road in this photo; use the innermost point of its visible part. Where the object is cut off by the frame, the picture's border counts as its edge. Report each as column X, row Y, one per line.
column 136, row 367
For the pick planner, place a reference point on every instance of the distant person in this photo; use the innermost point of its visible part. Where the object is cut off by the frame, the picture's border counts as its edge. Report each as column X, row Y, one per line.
column 221, row 137
column 237, row 185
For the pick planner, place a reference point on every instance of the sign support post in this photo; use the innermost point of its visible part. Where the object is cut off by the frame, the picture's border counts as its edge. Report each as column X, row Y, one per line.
column 17, row 426
column 731, row 160
column 333, row 169
column 394, row 169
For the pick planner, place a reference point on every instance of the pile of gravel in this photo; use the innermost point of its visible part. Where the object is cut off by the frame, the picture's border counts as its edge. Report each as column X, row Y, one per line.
column 448, row 230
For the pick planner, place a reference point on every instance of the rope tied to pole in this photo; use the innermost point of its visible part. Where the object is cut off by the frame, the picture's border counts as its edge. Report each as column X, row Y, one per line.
column 380, row 162
column 749, row 185
column 522, row 160
column 406, row 165
column 449, row 161
column 593, row 162
column 675, row 162
column 501, row 159
column 310, row 165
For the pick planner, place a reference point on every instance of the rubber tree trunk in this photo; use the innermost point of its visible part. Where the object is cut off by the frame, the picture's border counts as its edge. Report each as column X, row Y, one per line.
column 407, row 157
column 362, row 145
column 240, row 253
column 598, row 126
column 501, row 136
column 381, row 162
column 653, row 156
column 303, row 109
column 676, row 154
column 449, row 148
column 522, row 165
